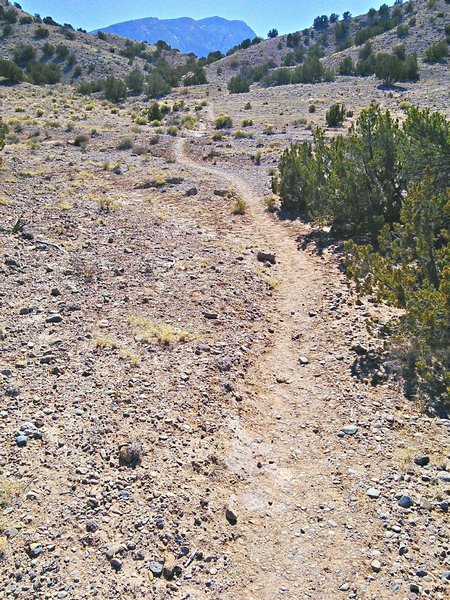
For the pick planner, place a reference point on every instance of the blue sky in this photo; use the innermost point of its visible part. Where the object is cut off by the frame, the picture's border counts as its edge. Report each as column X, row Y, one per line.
column 260, row 15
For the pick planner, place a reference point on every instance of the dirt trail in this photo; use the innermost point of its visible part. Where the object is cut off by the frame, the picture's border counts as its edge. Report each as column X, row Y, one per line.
column 283, row 451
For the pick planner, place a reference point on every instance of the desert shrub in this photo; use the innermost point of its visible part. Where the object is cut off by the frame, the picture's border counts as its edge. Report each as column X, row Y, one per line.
column 26, row 20
column 23, row 54
column 396, row 67
column 42, row 73
column 48, row 50
column 172, row 130
column 189, row 121
column 238, row 85
column 40, row 33
column 62, row 51
column 125, row 144
column 114, row 89
column 240, row 206
column 81, row 141
column 346, row 66
column 223, row 122
column 402, row 30
column 246, row 122
column 335, row 115
column 157, row 86
column 436, row 52
column 408, row 268
column 10, row 71
column 135, row 81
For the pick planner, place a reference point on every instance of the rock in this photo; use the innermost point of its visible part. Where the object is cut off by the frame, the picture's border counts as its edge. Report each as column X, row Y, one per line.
column 406, row 501
column 224, row 364
column 231, row 516
column 350, row 429
column 27, row 234
column 169, row 566
column 421, row 573
column 376, row 566
column 54, row 318
column 303, row 360
column 264, row 256
column 403, row 550
column 443, row 476
column 12, row 392
column 156, row 569
column 116, row 564
column 193, row 191
column 34, row 550
column 360, row 350
column 21, row 440
column 373, row 493
column 210, row 315
column 344, row 587
column 426, row 504
column 174, row 180
column 221, row 193
column 55, row 292
column 445, row 576
column 91, row 526
column 422, row 461
column 130, row 453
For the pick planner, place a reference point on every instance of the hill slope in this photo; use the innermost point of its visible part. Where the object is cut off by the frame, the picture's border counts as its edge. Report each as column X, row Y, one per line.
column 86, row 57
column 425, row 26
column 200, row 37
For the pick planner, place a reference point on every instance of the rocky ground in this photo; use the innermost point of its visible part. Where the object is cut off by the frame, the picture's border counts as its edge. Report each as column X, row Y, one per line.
column 183, row 415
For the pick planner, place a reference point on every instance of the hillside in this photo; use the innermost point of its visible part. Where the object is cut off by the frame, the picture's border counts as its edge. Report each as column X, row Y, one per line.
column 84, row 57
column 200, row 37
column 427, row 29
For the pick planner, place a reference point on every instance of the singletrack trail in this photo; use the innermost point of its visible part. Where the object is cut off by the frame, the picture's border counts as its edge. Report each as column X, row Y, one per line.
column 302, row 532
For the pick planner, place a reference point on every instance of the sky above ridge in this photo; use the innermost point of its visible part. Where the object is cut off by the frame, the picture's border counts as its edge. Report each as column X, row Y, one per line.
column 260, row 15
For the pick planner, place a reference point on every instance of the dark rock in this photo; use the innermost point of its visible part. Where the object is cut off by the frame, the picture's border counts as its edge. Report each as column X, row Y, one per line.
column 422, row 461
column 174, row 180
column 266, row 257
column 406, row 501
column 34, row 550
column 91, row 526
column 192, row 191
column 54, row 318
column 21, row 440
column 210, row 315
column 116, row 564
column 231, row 516
column 156, row 568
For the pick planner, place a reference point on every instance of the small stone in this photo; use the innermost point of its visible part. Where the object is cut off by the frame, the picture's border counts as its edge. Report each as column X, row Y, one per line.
column 446, row 575
column 116, row 564
column 34, row 550
column 266, row 257
column 414, row 588
column 344, row 587
column 210, row 315
column 422, row 461
column 193, row 191
column 406, row 501
column 55, row 292
column 403, row 550
column 376, row 566
column 54, row 318
column 373, row 493
column 91, row 526
column 169, row 566
column 350, row 429
column 425, row 504
column 231, row 516
column 21, row 440
column 443, row 476
column 421, row 573
column 303, row 360
column 156, row 569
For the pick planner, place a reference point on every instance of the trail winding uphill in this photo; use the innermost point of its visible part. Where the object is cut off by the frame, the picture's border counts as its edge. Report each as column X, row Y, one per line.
column 306, row 526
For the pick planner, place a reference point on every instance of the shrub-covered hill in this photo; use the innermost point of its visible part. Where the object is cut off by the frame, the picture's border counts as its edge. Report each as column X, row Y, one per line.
column 79, row 56
column 418, row 24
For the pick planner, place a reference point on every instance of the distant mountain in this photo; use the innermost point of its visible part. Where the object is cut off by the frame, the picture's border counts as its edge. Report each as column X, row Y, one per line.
column 185, row 34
